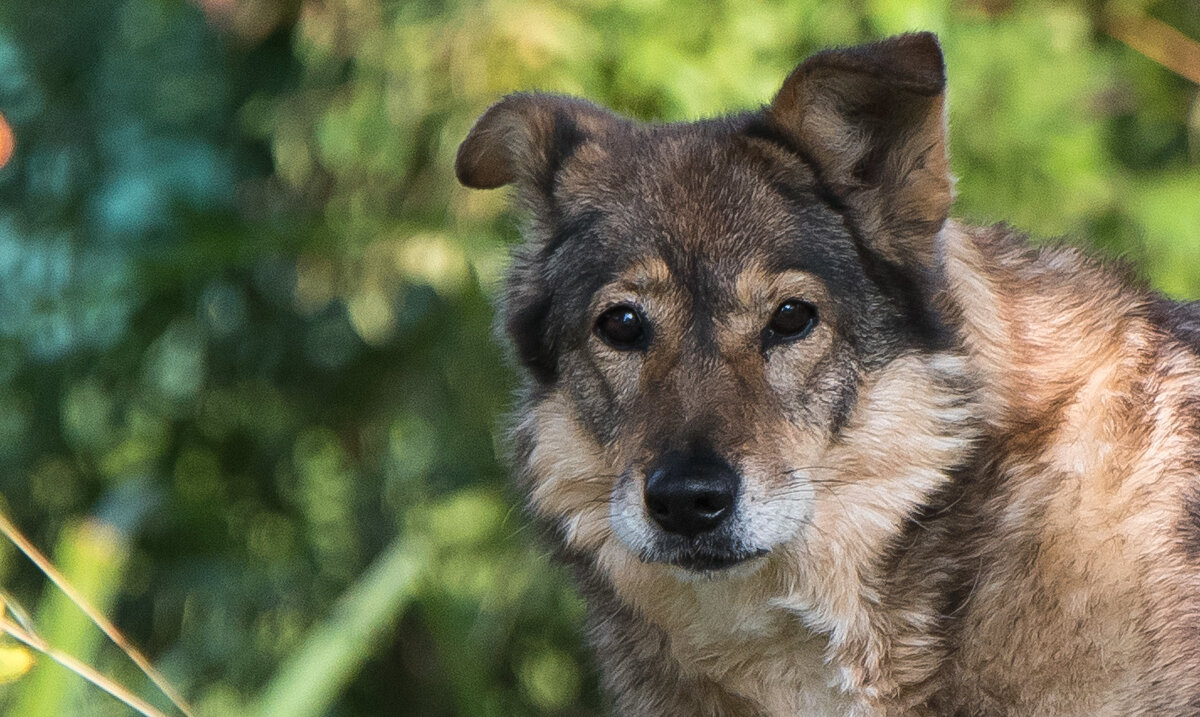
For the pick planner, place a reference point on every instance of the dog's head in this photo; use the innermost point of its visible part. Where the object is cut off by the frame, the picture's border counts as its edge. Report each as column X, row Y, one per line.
column 700, row 307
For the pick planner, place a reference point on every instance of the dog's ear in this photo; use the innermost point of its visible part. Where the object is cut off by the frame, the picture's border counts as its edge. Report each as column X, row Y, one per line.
column 526, row 138
column 871, row 119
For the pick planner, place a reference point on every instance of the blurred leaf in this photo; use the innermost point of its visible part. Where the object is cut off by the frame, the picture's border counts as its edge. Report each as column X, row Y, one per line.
column 15, row 661
column 238, row 275
column 310, row 680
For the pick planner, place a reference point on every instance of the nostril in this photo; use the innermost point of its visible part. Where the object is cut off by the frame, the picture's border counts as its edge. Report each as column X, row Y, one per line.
column 711, row 504
column 657, row 507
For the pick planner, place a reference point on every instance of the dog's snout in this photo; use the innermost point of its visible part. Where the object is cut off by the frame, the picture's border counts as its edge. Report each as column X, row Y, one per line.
column 691, row 493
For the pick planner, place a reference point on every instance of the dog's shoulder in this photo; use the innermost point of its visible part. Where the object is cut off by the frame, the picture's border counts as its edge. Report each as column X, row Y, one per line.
column 1085, row 528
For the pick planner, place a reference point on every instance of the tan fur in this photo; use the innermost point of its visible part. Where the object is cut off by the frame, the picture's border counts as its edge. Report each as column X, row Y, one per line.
column 817, row 105
column 1096, row 397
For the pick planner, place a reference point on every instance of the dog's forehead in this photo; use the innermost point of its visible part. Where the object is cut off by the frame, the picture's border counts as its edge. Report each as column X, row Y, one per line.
column 702, row 190
column 704, row 199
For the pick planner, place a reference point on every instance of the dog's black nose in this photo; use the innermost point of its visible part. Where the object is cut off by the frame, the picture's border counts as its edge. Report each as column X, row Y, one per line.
column 691, row 492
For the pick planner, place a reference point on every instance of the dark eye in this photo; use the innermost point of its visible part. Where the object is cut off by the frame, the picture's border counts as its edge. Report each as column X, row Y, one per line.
column 622, row 328
column 794, row 319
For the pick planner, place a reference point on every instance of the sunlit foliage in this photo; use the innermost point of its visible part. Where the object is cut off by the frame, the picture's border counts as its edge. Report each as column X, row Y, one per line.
column 245, row 311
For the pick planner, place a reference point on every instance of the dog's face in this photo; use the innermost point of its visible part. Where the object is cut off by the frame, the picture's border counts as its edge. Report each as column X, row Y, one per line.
column 699, row 305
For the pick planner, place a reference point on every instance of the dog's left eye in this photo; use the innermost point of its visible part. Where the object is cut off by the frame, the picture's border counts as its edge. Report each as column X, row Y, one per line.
column 793, row 319
column 622, row 328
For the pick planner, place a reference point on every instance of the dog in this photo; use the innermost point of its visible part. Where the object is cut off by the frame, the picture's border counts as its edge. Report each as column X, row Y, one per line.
column 811, row 447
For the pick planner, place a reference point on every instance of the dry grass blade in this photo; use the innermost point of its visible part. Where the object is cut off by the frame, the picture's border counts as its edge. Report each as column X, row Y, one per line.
column 9, row 605
column 30, row 550
column 80, row 668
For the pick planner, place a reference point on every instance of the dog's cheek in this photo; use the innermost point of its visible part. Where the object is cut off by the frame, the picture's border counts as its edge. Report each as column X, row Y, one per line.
column 777, row 492
column 797, row 375
column 570, row 481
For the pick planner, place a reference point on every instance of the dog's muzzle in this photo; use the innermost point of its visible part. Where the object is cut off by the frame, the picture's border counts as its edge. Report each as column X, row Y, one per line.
column 692, row 496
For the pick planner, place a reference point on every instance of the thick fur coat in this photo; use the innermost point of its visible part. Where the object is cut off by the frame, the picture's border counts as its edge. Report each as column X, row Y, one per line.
column 810, row 447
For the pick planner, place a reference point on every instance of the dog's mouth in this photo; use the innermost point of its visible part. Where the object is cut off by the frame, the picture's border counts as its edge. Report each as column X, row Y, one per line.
column 703, row 558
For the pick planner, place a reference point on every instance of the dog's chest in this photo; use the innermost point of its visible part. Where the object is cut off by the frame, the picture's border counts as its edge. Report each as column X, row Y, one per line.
column 757, row 651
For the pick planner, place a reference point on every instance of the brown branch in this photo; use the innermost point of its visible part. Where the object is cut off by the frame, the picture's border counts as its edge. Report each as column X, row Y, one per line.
column 1156, row 40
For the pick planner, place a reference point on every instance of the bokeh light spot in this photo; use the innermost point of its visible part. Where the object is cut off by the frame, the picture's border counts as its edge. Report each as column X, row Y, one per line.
column 8, row 142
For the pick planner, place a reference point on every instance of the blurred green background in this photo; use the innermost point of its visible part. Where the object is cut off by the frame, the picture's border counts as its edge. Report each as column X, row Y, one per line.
column 249, row 391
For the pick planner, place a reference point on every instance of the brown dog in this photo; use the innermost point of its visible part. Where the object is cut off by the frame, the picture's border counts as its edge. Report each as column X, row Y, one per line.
column 813, row 449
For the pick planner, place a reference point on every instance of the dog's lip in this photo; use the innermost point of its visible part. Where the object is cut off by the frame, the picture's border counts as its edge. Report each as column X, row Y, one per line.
column 708, row 561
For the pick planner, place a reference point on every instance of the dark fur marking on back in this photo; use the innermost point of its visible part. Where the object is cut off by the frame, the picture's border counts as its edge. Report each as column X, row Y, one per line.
column 1181, row 320
column 1187, row 531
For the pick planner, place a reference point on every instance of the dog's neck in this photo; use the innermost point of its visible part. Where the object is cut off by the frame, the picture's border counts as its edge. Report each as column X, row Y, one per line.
column 1038, row 325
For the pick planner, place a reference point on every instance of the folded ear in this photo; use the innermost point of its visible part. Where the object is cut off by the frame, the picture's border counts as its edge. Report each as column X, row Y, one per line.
column 871, row 119
column 526, row 139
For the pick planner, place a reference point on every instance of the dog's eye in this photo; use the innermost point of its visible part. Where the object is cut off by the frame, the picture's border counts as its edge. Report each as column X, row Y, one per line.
column 794, row 319
column 622, row 328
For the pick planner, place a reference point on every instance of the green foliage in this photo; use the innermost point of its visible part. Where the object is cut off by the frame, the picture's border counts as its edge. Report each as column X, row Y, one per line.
column 246, row 310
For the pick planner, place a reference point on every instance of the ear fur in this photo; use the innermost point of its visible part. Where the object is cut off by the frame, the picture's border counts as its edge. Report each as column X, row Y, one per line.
column 871, row 118
column 526, row 138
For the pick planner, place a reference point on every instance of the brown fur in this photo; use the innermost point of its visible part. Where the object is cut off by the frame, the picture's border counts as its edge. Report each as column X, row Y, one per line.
column 971, row 488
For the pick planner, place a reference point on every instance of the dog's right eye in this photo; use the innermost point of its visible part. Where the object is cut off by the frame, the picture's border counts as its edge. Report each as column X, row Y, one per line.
column 794, row 319
column 622, row 328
